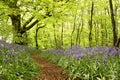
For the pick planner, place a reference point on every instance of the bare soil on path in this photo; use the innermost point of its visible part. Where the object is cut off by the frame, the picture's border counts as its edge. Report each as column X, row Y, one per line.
column 48, row 70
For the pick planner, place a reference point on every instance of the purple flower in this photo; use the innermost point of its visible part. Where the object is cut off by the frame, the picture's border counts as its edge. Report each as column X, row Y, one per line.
column 78, row 56
column 102, row 50
column 112, row 51
column 118, row 51
column 84, row 51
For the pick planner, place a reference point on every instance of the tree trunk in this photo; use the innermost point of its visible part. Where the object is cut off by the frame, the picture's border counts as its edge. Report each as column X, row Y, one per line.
column 62, row 30
column 118, row 42
column 113, row 23
column 102, row 33
column 106, row 32
column 78, row 34
column 90, row 24
column 19, row 32
column 73, row 30
column 55, row 35
column 16, row 23
column 82, row 24
column 96, row 39
column 36, row 36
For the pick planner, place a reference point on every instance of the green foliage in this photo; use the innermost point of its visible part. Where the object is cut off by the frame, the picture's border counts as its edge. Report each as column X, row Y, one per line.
column 22, row 39
column 5, row 27
column 72, row 13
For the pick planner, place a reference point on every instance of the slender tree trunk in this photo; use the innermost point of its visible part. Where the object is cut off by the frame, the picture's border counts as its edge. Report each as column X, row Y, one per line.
column 102, row 33
column 96, row 40
column 62, row 30
column 36, row 36
column 118, row 42
column 55, row 35
column 113, row 23
column 90, row 24
column 78, row 34
column 106, row 32
column 73, row 30
column 82, row 24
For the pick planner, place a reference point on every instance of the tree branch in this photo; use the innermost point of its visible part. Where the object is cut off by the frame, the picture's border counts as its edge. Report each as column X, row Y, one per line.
column 40, row 27
column 29, row 27
column 27, row 22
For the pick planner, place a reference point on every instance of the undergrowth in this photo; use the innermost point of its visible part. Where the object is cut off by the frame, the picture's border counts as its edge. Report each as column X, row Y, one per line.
column 89, row 67
column 16, row 65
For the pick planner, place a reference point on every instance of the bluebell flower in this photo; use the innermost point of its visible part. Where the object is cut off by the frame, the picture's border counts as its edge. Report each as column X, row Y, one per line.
column 118, row 51
column 102, row 50
column 112, row 51
column 84, row 51
column 79, row 57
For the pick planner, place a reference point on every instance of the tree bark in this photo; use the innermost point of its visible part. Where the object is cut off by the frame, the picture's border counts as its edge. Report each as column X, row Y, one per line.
column 78, row 34
column 90, row 24
column 55, row 35
column 19, row 31
column 113, row 23
column 36, row 36
column 82, row 24
column 73, row 31
column 96, row 40
column 16, row 23
column 118, row 42
column 62, row 30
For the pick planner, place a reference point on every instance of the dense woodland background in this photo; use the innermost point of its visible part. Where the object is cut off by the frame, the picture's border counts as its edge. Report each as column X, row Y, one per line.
column 60, row 23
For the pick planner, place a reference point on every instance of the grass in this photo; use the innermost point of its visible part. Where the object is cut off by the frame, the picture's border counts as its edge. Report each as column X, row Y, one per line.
column 95, row 67
column 98, row 66
column 17, row 66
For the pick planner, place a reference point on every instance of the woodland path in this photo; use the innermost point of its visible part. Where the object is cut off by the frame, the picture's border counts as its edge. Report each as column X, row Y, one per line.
column 48, row 70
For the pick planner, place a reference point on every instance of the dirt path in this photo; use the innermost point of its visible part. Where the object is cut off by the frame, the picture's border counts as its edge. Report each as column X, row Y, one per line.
column 49, row 71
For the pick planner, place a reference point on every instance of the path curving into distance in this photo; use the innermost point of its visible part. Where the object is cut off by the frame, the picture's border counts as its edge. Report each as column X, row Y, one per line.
column 48, row 70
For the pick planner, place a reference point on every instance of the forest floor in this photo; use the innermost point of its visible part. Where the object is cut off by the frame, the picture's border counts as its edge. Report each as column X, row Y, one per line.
column 48, row 70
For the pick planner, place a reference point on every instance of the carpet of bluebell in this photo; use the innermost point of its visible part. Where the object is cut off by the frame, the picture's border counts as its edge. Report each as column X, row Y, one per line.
column 15, row 62
column 84, row 63
column 88, row 63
